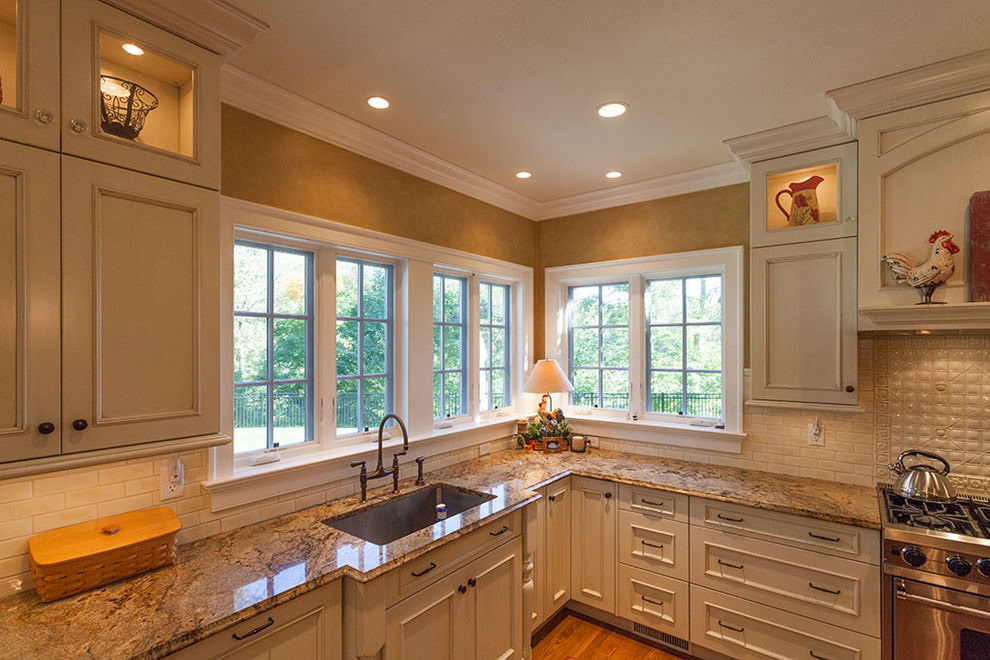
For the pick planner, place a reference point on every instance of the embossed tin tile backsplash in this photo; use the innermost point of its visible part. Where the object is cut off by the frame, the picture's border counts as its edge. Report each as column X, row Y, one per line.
column 933, row 393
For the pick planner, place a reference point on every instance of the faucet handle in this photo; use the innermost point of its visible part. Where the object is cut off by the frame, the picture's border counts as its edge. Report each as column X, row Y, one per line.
column 419, row 471
column 361, row 463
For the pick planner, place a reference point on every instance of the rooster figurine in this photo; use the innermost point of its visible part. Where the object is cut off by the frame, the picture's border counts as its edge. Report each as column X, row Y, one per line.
column 926, row 277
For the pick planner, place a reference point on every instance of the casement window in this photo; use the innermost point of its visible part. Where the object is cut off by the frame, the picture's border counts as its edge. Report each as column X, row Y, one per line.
column 495, row 342
column 273, row 346
column 654, row 339
column 364, row 343
column 450, row 344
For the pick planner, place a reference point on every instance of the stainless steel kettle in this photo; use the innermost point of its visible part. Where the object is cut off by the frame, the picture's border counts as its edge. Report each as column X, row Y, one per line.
column 922, row 481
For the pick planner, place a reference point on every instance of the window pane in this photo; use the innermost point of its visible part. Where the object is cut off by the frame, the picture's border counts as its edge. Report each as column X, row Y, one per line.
column 250, row 349
column 485, row 301
column 584, row 305
column 615, row 304
column 250, row 279
column 500, row 303
column 486, row 347
column 289, row 349
column 452, row 395
column 485, row 394
column 704, row 395
column 704, row 298
column 585, row 383
column 615, row 347
column 663, row 301
column 289, row 288
column 373, row 400
column 666, row 391
column 347, row 288
column 498, row 347
column 498, row 388
column 665, row 348
column 585, row 348
column 451, row 347
column 704, row 347
column 375, row 292
column 374, row 348
column 437, row 298
column 289, row 403
column 347, row 406
column 250, row 417
column 453, row 298
column 347, row 348
column 615, row 388
column 437, row 353
column 438, row 395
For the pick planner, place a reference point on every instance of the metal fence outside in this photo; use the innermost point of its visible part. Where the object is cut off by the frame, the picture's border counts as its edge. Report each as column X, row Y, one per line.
column 695, row 404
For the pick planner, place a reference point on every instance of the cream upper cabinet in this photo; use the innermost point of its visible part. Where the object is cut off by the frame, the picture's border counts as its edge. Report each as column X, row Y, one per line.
column 137, row 96
column 593, row 561
column 140, row 346
column 29, row 72
column 29, row 302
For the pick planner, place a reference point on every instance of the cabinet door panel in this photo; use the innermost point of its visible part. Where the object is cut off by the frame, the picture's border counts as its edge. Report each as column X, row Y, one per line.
column 140, row 307
column 29, row 294
column 497, row 603
column 558, row 558
column 428, row 624
column 593, row 542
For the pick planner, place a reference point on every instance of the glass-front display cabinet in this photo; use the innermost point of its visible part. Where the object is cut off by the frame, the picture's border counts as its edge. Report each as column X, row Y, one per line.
column 29, row 75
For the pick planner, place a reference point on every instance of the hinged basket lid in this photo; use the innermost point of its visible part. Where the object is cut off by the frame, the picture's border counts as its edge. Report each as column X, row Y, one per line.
column 101, row 535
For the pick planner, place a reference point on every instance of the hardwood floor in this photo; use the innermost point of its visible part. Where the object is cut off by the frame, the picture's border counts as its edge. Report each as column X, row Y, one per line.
column 575, row 638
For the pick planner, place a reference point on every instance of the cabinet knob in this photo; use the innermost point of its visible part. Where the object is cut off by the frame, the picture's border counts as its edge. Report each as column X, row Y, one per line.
column 44, row 116
column 850, row 388
column 461, row 588
column 608, row 496
column 77, row 125
column 45, row 428
column 472, row 582
column 552, row 498
column 79, row 424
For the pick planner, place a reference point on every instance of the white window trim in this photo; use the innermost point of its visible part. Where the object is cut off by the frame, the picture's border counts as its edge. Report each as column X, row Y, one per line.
column 329, row 457
column 655, row 428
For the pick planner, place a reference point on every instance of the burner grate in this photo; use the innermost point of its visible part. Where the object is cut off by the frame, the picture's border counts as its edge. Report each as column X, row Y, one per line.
column 961, row 517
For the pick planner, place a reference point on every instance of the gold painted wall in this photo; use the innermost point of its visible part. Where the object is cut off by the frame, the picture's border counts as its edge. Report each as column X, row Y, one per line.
column 270, row 164
column 694, row 221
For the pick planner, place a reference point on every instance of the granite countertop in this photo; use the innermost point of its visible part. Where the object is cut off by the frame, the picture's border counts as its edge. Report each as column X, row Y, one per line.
column 222, row 580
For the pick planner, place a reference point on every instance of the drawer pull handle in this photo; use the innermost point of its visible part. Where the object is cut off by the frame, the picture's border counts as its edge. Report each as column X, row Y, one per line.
column 651, row 601
column 824, row 538
column 424, row 571
column 650, row 502
column 652, row 545
column 815, row 655
column 721, row 517
column 504, row 529
column 271, row 622
column 733, row 628
column 834, row 592
column 725, row 563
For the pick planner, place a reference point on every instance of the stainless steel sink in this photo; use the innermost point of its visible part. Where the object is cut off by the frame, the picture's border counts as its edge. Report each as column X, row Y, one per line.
column 401, row 516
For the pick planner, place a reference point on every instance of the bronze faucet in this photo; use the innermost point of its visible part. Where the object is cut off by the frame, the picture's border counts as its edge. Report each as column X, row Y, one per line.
column 380, row 469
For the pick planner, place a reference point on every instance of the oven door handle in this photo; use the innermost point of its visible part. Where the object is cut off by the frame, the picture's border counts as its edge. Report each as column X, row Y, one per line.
column 902, row 593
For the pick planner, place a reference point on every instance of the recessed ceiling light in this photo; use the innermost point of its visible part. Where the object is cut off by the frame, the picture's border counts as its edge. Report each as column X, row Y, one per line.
column 133, row 49
column 523, row 174
column 612, row 109
column 378, row 103
column 614, row 174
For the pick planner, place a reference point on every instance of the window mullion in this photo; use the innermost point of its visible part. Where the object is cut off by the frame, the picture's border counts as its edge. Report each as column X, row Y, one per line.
column 270, row 349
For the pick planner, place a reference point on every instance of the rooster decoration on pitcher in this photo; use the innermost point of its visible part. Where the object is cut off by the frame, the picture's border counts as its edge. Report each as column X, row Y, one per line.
column 930, row 274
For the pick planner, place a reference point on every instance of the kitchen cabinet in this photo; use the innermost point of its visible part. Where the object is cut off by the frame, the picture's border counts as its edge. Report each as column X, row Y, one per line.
column 474, row 612
column 593, row 525
column 803, row 225
column 549, row 535
column 306, row 627
column 70, row 86
column 131, row 307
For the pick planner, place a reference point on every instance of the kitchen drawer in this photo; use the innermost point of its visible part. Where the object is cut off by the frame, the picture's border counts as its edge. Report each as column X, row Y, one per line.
column 654, row 502
column 653, row 544
column 653, row 600
column 838, row 591
column 742, row 629
column 425, row 570
column 831, row 538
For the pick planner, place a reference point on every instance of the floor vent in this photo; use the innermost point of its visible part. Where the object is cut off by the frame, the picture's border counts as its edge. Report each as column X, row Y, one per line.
column 661, row 636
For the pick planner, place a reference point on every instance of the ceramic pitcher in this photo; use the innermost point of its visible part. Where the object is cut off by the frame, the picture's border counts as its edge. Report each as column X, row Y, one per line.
column 804, row 201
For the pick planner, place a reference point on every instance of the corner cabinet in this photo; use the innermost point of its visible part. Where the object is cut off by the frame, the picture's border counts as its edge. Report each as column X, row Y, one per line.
column 593, row 524
column 803, row 278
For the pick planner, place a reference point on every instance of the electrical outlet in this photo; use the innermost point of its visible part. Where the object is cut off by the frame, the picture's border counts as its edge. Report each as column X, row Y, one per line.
column 173, row 480
column 816, row 435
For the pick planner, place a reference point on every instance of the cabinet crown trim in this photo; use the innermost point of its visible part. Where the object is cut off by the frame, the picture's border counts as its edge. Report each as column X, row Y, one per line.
column 788, row 140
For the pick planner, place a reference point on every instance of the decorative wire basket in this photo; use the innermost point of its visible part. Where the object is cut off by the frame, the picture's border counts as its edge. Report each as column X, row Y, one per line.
column 124, row 105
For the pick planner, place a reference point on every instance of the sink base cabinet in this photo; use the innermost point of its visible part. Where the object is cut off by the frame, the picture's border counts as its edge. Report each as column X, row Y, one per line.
column 307, row 627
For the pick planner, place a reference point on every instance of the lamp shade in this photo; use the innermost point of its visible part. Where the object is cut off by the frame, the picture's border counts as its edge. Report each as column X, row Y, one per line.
column 547, row 376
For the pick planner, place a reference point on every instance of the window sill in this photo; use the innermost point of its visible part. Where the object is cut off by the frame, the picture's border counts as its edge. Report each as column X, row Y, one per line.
column 675, row 435
column 317, row 469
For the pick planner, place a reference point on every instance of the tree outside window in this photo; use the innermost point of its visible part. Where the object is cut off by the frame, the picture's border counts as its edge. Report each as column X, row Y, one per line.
column 495, row 344
column 598, row 338
column 449, row 345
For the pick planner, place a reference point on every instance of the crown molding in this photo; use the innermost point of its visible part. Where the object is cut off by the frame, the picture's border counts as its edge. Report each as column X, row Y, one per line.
column 927, row 84
column 213, row 24
column 705, row 178
column 796, row 138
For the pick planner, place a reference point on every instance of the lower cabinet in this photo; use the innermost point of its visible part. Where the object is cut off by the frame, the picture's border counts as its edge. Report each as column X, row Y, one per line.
column 305, row 628
column 473, row 613
column 593, row 518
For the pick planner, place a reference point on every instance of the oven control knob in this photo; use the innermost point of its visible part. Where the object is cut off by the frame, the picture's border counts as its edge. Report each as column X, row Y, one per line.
column 983, row 566
column 913, row 556
column 958, row 565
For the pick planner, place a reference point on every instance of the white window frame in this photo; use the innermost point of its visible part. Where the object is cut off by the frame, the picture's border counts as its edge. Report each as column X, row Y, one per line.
column 469, row 309
column 510, row 323
column 233, row 481
column 635, row 423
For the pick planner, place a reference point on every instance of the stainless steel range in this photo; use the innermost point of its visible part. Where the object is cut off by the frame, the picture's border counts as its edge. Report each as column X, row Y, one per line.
column 937, row 572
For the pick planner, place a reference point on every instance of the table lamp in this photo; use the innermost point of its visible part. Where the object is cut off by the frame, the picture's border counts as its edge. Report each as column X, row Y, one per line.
column 547, row 377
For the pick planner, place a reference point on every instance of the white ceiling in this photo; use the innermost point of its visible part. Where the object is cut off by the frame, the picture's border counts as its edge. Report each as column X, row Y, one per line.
column 496, row 86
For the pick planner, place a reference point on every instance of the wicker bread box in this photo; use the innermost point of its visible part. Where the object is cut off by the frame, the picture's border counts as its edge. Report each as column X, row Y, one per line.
column 71, row 559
